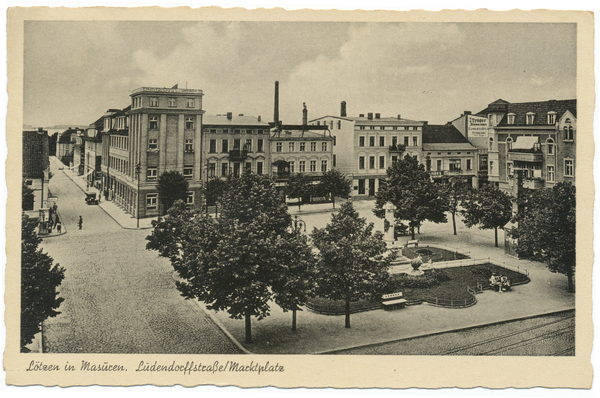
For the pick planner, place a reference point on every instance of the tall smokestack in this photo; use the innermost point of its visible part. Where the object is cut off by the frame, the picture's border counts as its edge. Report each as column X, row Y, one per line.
column 276, row 110
column 304, row 114
column 343, row 110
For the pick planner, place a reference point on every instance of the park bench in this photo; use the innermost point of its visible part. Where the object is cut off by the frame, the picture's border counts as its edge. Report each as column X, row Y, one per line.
column 393, row 300
column 412, row 242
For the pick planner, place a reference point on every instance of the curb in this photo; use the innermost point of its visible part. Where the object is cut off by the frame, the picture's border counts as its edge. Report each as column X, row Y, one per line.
column 442, row 332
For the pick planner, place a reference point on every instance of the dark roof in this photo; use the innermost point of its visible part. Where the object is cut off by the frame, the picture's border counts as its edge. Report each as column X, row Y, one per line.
column 442, row 134
column 540, row 109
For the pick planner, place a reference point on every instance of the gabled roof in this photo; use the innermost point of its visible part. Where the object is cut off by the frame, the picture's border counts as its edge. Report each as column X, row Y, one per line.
column 443, row 134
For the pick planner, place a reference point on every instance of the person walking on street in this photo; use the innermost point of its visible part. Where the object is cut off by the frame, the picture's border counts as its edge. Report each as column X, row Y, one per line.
column 80, row 223
column 58, row 227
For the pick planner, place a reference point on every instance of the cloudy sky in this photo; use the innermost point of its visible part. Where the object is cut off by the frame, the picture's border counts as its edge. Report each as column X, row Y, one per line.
column 75, row 71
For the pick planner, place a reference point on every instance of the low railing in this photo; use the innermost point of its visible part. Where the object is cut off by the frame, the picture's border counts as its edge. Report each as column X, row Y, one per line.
column 451, row 303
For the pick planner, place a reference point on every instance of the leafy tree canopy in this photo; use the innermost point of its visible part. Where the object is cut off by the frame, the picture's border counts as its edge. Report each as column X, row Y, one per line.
column 171, row 186
column 489, row 208
column 335, row 183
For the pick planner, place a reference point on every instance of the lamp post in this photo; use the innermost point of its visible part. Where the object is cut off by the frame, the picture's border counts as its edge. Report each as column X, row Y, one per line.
column 138, row 169
column 299, row 224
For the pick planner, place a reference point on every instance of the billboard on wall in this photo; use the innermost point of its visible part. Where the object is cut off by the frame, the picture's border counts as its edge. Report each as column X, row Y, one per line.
column 477, row 126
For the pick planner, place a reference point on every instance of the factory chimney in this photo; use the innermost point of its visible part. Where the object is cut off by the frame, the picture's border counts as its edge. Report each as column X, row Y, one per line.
column 304, row 114
column 276, row 110
column 343, row 110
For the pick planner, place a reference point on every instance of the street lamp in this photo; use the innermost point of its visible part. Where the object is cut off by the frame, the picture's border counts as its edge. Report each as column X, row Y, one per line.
column 299, row 224
column 138, row 170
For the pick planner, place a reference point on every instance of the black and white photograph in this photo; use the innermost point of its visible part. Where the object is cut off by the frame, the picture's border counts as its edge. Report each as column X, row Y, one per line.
column 223, row 197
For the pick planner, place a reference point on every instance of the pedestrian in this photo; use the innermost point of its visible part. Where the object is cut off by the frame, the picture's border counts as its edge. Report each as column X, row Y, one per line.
column 80, row 223
column 58, row 227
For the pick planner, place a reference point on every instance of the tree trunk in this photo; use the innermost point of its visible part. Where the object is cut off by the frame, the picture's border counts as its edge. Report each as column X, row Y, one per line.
column 454, row 221
column 412, row 233
column 333, row 199
column 571, row 286
column 496, row 235
column 347, row 313
column 299, row 203
column 293, row 320
column 248, row 329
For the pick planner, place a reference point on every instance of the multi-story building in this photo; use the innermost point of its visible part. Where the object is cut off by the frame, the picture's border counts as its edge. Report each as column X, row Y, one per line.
column 36, row 166
column 538, row 138
column 235, row 143
column 65, row 145
column 476, row 130
column 364, row 147
column 447, row 153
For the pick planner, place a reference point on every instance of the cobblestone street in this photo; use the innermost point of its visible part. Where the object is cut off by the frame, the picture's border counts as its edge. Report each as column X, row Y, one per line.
column 119, row 297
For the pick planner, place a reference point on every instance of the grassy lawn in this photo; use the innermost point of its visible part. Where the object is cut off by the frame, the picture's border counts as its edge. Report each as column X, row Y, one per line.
column 445, row 284
column 434, row 253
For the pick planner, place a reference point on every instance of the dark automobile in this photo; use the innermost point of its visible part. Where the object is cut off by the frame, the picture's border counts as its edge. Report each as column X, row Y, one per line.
column 91, row 199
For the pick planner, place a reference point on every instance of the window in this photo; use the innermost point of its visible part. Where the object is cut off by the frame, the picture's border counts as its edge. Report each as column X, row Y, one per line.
column 530, row 117
column 154, row 122
column 381, row 141
column 361, row 162
column 509, row 168
column 248, row 166
column 151, row 173
column 381, row 127
column 415, row 141
column 237, row 131
column 278, row 146
column 468, row 164
column 334, row 140
column 302, row 146
column 152, row 144
column 225, row 146
column 551, row 117
column 188, row 172
column 211, row 169
column 260, row 145
column 361, row 141
column 323, row 165
column 509, row 142
column 236, row 169
column 151, row 201
column 439, row 165
column 361, row 186
column 213, row 131
column 334, row 163
column 313, row 146
column 382, row 162
column 361, row 127
column 550, row 175
column 189, row 122
column 339, row 124
column 212, row 146
column 236, row 143
column 568, row 133
column 172, row 102
column 324, row 146
column 511, row 118
column 331, row 124
column 371, row 141
column 225, row 131
column 491, row 119
column 302, row 166
column 153, row 101
column 550, row 146
column 292, row 164
column 224, row 169
column 291, row 146
column 394, row 159
column 313, row 165
column 189, row 145
column 190, row 199
column 569, row 168
column 248, row 145
column 371, row 162
column 454, row 164
column 372, row 127
column 406, row 141
column 259, row 168
column 190, row 103
column 491, row 143
column 491, row 167
column 260, row 131
column 394, row 141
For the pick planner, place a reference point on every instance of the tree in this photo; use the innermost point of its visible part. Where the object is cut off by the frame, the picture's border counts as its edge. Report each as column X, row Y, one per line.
column 488, row 207
column 295, row 284
column 416, row 197
column 336, row 183
column 546, row 228
column 27, row 197
column 213, row 190
column 299, row 186
column 350, row 263
column 171, row 186
column 456, row 193
column 39, row 281
column 229, row 262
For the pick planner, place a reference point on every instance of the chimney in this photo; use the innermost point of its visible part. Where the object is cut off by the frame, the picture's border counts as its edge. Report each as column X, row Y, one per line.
column 229, row 115
column 467, row 113
column 361, row 115
column 259, row 118
column 304, row 114
column 399, row 117
column 378, row 116
column 343, row 110
column 276, row 110
column 425, row 123
column 241, row 114
column 370, row 115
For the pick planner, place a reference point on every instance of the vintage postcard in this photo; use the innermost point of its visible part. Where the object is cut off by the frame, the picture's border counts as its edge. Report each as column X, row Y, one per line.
column 343, row 199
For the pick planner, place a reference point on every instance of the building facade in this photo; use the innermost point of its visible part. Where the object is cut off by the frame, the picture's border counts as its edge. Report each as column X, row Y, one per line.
column 233, row 144
column 36, row 166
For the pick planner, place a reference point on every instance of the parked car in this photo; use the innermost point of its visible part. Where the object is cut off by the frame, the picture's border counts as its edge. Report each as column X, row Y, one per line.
column 91, row 198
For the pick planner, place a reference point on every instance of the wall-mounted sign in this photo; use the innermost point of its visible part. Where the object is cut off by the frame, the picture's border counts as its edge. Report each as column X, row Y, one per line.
column 477, row 126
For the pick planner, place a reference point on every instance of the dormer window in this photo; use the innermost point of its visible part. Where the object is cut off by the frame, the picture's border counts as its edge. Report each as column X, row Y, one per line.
column 551, row 117
column 511, row 118
column 530, row 117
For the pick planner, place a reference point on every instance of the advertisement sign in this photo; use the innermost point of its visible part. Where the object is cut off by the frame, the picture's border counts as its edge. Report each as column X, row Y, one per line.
column 477, row 126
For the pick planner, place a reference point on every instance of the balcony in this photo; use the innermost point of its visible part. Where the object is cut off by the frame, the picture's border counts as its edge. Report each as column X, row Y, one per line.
column 281, row 175
column 536, row 183
column 455, row 171
column 238, row 155
column 398, row 148
column 530, row 156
